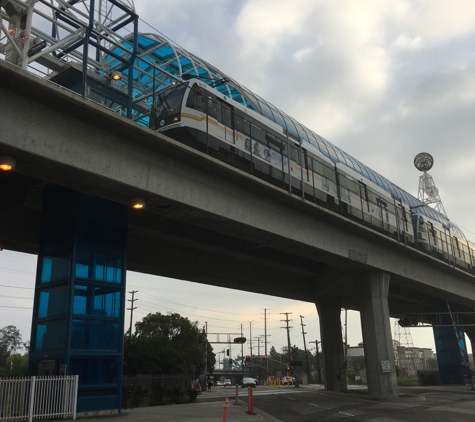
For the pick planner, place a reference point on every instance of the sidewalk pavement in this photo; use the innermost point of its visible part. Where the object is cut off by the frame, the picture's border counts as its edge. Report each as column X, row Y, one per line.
column 212, row 411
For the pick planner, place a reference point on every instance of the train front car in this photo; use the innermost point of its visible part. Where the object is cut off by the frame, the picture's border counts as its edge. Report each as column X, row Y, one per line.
column 166, row 113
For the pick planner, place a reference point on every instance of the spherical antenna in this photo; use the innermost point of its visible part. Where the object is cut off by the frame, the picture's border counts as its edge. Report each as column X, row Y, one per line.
column 423, row 161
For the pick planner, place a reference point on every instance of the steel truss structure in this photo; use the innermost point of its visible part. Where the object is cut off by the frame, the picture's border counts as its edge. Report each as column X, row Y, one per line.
column 70, row 42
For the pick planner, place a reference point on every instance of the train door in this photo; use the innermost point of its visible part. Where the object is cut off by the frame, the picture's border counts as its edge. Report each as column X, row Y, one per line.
column 295, row 169
column 225, row 121
column 364, row 201
column 383, row 213
column 401, row 221
column 308, row 181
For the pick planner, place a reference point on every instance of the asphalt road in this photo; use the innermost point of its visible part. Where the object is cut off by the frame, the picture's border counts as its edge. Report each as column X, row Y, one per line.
column 438, row 404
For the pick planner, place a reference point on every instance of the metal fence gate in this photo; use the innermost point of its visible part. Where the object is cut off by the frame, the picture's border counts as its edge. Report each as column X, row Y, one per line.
column 38, row 397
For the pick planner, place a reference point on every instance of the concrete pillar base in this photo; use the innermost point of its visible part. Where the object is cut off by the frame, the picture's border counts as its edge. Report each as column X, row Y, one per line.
column 377, row 340
column 329, row 311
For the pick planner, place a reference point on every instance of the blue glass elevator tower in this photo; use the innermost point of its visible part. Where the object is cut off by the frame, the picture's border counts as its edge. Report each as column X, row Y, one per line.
column 78, row 315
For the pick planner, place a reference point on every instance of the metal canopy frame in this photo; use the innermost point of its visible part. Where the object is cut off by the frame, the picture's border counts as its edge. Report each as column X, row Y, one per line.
column 48, row 38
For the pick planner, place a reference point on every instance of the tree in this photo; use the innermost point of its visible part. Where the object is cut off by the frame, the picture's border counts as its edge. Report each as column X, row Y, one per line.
column 164, row 344
column 10, row 341
column 274, row 359
column 17, row 366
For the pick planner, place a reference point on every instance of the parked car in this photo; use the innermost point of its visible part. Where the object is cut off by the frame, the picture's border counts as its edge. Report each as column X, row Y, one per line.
column 248, row 382
column 227, row 382
column 219, row 384
column 288, row 380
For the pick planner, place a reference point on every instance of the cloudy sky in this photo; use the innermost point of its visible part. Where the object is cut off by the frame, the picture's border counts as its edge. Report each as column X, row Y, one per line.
column 383, row 80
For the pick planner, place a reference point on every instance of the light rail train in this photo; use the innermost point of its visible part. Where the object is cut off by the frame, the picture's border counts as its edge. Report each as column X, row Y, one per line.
column 199, row 115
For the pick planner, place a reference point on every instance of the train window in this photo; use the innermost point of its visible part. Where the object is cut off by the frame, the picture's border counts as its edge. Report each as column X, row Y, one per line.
column 305, row 159
column 422, row 226
column 345, row 194
column 211, row 107
column 227, row 115
column 167, row 104
column 195, row 98
column 348, row 183
column 294, row 154
column 219, row 112
column 372, row 197
column 258, row 133
column 364, row 191
column 246, row 127
column 317, row 165
column 328, row 185
column 431, row 229
column 238, row 118
column 329, row 172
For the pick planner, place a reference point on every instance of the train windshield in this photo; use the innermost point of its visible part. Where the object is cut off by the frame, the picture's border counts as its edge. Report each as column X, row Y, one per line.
column 167, row 106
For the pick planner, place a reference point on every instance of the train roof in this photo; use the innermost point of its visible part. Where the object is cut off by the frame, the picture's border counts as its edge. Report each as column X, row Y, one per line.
column 173, row 62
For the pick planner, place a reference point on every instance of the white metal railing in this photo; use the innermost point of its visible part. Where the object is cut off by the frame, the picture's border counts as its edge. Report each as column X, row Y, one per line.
column 31, row 398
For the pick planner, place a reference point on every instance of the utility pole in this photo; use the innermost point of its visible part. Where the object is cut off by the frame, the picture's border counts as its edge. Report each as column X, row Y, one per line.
column 288, row 333
column 250, row 344
column 242, row 355
column 305, row 347
column 131, row 309
column 204, row 338
column 258, row 338
column 318, row 359
column 265, row 341
column 250, row 338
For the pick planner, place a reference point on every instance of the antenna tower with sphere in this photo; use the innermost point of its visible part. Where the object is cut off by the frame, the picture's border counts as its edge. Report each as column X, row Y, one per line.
column 428, row 192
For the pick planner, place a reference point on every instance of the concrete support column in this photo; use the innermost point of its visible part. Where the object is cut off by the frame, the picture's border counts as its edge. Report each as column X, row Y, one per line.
column 376, row 328
column 329, row 311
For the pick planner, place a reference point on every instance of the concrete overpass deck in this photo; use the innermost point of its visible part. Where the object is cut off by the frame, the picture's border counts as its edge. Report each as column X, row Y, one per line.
column 203, row 217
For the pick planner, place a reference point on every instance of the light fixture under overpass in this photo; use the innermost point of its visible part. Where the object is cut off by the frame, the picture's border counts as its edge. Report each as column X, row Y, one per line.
column 115, row 75
column 7, row 163
column 137, row 203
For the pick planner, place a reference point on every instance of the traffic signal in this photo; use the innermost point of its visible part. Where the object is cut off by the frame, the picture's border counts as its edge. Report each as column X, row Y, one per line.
column 240, row 340
column 264, row 357
column 288, row 368
column 296, row 363
column 248, row 358
column 227, row 352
